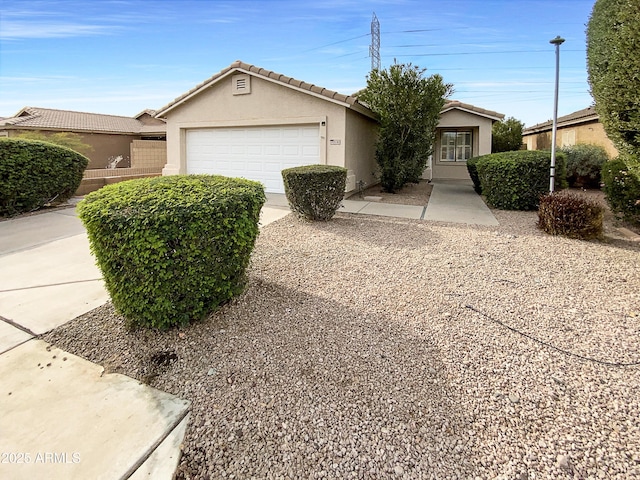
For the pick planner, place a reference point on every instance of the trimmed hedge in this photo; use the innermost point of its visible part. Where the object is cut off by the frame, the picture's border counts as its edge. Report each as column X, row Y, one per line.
column 33, row 174
column 314, row 192
column 472, row 168
column 622, row 190
column 584, row 164
column 172, row 249
column 516, row 180
column 570, row 215
column 613, row 64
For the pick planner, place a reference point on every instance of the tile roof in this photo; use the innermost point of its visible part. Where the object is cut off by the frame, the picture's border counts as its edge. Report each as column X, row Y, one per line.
column 50, row 119
column 451, row 104
column 581, row 116
column 273, row 76
column 350, row 100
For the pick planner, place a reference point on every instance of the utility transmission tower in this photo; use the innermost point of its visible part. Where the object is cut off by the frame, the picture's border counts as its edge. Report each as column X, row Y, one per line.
column 374, row 49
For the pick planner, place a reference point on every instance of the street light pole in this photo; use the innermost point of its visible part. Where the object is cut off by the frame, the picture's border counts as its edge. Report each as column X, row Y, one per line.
column 557, row 42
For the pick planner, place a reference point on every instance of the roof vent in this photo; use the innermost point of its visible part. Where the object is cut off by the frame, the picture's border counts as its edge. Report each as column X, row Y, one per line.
column 241, row 84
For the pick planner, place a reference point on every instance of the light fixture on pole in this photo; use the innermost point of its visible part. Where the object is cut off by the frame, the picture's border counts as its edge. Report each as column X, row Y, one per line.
column 557, row 42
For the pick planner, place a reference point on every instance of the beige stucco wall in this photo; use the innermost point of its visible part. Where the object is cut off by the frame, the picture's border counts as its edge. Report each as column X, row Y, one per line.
column 360, row 150
column 268, row 103
column 589, row 133
column 481, row 142
column 149, row 154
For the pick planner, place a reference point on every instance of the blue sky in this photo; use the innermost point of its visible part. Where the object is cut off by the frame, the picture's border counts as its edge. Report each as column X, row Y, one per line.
column 123, row 56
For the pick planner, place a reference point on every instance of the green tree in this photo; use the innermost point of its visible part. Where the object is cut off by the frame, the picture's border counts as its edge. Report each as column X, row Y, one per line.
column 64, row 139
column 506, row 135
column 613, row 64
column 408, row 105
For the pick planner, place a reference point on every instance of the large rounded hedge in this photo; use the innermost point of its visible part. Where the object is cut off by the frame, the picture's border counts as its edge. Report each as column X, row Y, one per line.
column 172, row 249
column 516, row 180
column 613, row 64
column 33, row 174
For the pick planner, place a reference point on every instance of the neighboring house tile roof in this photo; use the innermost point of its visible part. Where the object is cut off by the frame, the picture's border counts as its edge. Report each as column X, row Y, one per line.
column 581, row 116
column 238, row 65
column 451, row 104
column 34, row 118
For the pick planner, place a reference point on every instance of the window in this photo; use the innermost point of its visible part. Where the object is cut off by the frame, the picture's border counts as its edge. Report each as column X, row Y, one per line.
column 455, row 146
column 568, row 138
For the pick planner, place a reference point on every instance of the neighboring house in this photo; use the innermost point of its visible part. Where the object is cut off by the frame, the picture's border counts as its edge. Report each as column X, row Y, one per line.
column 464, row 132
column 249, row 122
column 582, row 126
column 110, row 136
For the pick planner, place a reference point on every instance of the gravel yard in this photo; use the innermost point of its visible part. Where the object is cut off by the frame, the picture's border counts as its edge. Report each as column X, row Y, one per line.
column 371, row 347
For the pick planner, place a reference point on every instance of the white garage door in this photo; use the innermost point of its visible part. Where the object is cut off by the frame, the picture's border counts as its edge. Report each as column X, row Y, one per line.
column 256, row 153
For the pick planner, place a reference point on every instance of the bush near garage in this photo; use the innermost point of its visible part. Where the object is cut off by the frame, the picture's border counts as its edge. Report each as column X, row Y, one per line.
column 571, row 215
column 172, row 249
column 314, row 192
column 34, row 174
column 622, row 189
column 516, row 180
column 584, row 164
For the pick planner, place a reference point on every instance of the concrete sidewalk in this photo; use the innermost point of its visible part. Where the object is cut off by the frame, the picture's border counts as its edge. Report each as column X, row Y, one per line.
column 454, row 202
column 458, row 203
column 62, row 416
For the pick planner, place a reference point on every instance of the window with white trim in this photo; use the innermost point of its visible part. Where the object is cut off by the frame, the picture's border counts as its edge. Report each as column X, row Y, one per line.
column 455, row 145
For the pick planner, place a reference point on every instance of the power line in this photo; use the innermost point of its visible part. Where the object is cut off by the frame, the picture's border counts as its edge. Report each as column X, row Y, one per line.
column 335, row 43
column 473, row 53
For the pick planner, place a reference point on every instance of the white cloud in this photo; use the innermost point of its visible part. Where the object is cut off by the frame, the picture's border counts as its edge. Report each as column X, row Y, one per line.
column 14, row 30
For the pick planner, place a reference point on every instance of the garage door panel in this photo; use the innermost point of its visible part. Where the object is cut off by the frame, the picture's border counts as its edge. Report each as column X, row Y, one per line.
column 257, row 153
column 274, row 150
column 291, row 150
column 311, row 151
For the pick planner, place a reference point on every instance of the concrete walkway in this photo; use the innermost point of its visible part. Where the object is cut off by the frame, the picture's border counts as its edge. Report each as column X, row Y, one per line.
column 61, row 416
column 457, row 203
column 453, row 202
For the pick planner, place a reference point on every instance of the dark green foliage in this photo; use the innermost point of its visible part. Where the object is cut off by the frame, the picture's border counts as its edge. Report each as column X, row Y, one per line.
column 571, row 215
column 613, row 63
column 472, row 168
column 516, row 180
column 506, row 135
column 314, row 192
column 408, row 106
column 622, row 189
column 33, row 174
column 584, row 164
column 172, row 249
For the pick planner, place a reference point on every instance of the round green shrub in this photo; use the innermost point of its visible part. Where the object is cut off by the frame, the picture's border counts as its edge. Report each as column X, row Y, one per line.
column 622, row 189
column 584, row 164
column 314, row 192
column 33, row 174
column 516, row 180
column 571, row 215
column 172, row 249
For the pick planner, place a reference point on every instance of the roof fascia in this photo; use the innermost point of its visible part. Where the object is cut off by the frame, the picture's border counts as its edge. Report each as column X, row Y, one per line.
column 492, row 117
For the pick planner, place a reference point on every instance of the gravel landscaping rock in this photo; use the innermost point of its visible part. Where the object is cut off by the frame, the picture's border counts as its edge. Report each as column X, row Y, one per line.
column 370, row 347
column 410, row 194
